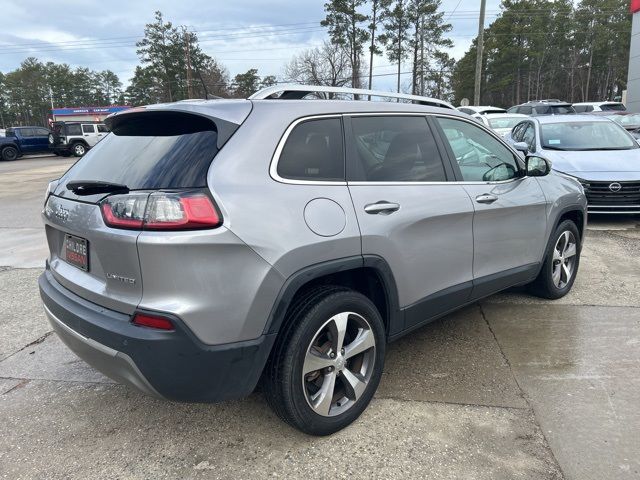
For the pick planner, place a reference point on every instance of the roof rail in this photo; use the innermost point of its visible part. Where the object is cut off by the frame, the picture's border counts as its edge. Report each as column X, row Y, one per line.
column 298, row 92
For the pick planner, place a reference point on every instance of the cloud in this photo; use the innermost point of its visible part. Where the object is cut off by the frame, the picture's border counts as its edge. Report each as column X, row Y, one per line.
column 242, row 34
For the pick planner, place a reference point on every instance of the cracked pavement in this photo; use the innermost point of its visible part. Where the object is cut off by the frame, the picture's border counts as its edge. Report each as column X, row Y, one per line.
column 511, row 388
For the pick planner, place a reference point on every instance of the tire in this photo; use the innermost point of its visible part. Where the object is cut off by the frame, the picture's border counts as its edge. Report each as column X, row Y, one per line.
column 78, row 149
column 296, row 390
column 9, row 154
column 561, row 263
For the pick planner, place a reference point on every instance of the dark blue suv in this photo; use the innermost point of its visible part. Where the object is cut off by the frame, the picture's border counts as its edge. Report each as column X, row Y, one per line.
column 23, row 141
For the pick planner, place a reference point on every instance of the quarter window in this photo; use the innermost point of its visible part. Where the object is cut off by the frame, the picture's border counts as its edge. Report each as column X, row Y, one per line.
column 313, row 151
column 102, row 129
column 74, row 129
column 88, row 129
column 394, row 149
column 480, row 156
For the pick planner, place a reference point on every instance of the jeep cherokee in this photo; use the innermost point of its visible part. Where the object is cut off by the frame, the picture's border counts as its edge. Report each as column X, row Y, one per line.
column 204, row 246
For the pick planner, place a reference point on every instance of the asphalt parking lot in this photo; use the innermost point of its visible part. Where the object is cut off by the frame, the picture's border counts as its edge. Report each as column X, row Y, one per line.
column 511, row 388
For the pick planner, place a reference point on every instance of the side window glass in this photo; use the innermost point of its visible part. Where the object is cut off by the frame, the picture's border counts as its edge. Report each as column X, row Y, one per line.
column 516, row 133
column 525, row 110
column 394, row 149
column 27, row 132
column 102, row 129
column 530, row 137
column 480, row 156
column 42, row 132
column 74, row 129
column 589, row 108
column 88, row 129
column 314, row 152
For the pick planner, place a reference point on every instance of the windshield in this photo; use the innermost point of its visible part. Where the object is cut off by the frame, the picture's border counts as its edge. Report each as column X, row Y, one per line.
column 585, row 136
column 613, row 107
column 504, row 122
column 626, row 120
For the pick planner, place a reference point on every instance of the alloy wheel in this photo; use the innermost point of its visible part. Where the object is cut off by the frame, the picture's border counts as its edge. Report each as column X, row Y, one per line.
column 338, row 364
column 564, row 259
column 79, row 150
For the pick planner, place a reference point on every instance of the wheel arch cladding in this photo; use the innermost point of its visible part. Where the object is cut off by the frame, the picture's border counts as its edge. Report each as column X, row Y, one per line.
column 369, row 275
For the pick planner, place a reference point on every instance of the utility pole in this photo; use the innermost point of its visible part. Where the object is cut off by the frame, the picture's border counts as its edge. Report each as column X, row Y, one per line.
column 51, row 97
column 476, row 90
column 422, row 55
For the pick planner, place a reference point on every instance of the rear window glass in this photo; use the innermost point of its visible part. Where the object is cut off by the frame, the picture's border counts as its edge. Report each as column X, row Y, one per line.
column 613, row 107
column 138, row 158
column 314, row 152
column 562, row 110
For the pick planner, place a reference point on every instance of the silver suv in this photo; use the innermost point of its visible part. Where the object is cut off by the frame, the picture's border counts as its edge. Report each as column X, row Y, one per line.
column 203, row 246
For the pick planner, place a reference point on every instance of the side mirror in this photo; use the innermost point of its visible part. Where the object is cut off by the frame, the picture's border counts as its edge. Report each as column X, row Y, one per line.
column 537, row 166
column 521, row 146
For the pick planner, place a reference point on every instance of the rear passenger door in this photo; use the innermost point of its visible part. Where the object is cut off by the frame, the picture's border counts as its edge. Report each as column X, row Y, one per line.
column 409, row 212
column 27, row 140
column 509, row 224
column 89, row 133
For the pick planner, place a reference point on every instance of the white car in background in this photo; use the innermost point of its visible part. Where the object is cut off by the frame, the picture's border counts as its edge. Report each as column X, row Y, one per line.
column 588, row 107
column 2, row 132
column 501, row 123
column 476, row 112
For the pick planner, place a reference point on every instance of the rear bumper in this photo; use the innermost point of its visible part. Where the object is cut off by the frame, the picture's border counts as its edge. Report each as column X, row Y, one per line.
column 60, row 148
column 174, row 365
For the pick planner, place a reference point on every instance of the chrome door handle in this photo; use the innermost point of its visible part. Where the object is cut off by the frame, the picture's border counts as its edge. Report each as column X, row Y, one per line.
column 486, row 198
column 382, row 207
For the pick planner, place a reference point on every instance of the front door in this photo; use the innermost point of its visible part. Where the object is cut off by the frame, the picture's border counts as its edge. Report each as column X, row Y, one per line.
column 509, row 224
column 409, row 213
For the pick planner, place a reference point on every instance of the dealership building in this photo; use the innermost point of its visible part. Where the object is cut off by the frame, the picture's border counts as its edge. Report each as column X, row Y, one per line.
column 85, row 114
column 633, row 81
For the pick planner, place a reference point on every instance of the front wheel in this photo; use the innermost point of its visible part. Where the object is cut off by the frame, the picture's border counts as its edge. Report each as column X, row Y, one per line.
column 560, row 264
column 328, row 362
column 79, row 149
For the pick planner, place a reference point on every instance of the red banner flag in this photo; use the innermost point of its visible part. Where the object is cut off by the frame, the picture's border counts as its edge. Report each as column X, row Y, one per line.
column 635, row 6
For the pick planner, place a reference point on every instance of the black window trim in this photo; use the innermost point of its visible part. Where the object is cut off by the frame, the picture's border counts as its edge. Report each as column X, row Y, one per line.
column 459, row 179
column 273, row 168
column 438, row 133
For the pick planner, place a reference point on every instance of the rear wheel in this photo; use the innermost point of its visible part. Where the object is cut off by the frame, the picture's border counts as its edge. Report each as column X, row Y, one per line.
column 9, row 154
column 79, row 149
column 328, row 362
column 561, row 263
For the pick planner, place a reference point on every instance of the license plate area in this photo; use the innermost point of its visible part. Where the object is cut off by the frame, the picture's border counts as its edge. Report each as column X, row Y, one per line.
column 76, row 252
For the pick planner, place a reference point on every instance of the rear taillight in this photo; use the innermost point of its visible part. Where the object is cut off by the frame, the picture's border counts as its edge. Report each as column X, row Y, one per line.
column 125, row 211
column 152, row 321
column 161, row 211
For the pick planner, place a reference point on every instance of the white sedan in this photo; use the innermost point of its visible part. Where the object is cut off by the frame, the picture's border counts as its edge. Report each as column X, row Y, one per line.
column 501, row 123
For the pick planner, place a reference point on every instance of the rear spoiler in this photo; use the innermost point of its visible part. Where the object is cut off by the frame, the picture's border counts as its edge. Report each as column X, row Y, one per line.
column 223, row 116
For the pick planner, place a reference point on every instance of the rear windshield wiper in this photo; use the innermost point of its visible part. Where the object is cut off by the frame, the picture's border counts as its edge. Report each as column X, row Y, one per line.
column 90, row 187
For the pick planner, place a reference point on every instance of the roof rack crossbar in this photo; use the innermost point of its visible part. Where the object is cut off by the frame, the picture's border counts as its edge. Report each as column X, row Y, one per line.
column 298, row 92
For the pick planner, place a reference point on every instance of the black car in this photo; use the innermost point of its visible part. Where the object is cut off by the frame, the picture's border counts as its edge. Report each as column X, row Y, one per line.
column 543, row 107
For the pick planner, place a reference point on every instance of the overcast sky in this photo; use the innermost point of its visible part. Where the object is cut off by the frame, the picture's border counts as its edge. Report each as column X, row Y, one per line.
column 242, row 34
